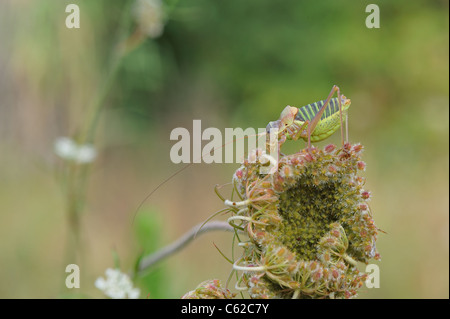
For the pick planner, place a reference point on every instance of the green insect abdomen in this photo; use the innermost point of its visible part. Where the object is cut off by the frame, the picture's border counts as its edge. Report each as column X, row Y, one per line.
column 327, row 127
column 329, row 122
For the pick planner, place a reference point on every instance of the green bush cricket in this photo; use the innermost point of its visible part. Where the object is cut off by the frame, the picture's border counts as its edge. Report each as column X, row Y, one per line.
column 313, row 122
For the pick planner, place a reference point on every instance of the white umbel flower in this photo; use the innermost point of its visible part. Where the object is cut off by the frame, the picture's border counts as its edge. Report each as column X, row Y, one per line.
column 86, row 154
column 67, row 149
column 149, row 16
column 117, row 285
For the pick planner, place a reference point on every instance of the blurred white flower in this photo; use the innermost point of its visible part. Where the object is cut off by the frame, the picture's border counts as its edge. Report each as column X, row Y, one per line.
column 86, row 154
column 117, row 285
column 149, row 15
column 67, row 149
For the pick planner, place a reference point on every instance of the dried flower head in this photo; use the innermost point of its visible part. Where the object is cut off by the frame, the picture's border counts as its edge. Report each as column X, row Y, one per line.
column 308, row 225
column 210, row 289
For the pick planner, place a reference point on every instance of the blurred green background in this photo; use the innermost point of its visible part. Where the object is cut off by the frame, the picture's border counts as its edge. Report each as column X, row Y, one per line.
column 231, row 64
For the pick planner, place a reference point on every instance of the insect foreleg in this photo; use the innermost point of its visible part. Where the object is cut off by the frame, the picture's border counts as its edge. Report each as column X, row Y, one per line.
column 295, row 130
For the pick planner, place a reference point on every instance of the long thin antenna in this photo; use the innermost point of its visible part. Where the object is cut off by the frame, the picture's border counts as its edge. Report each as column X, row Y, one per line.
column 180, row 170
column 158, row 187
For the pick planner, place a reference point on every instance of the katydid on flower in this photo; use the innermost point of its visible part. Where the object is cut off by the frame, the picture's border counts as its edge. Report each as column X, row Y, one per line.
column 313, row 122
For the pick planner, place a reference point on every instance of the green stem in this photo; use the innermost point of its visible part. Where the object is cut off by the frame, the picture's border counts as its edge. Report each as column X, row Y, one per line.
column 350, row 260
column 180, row 243
column 77, row 174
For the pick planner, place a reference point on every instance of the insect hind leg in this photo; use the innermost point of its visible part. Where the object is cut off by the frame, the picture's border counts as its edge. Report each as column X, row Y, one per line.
column 346, row 128
column 316, row 119
column 340, row 116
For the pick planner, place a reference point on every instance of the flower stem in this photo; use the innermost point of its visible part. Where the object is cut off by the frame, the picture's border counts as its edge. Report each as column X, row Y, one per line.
column 180, row 243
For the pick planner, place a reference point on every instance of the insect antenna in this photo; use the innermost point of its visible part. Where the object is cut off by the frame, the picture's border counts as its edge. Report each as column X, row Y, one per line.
column 211, row 217
column 185, row 167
